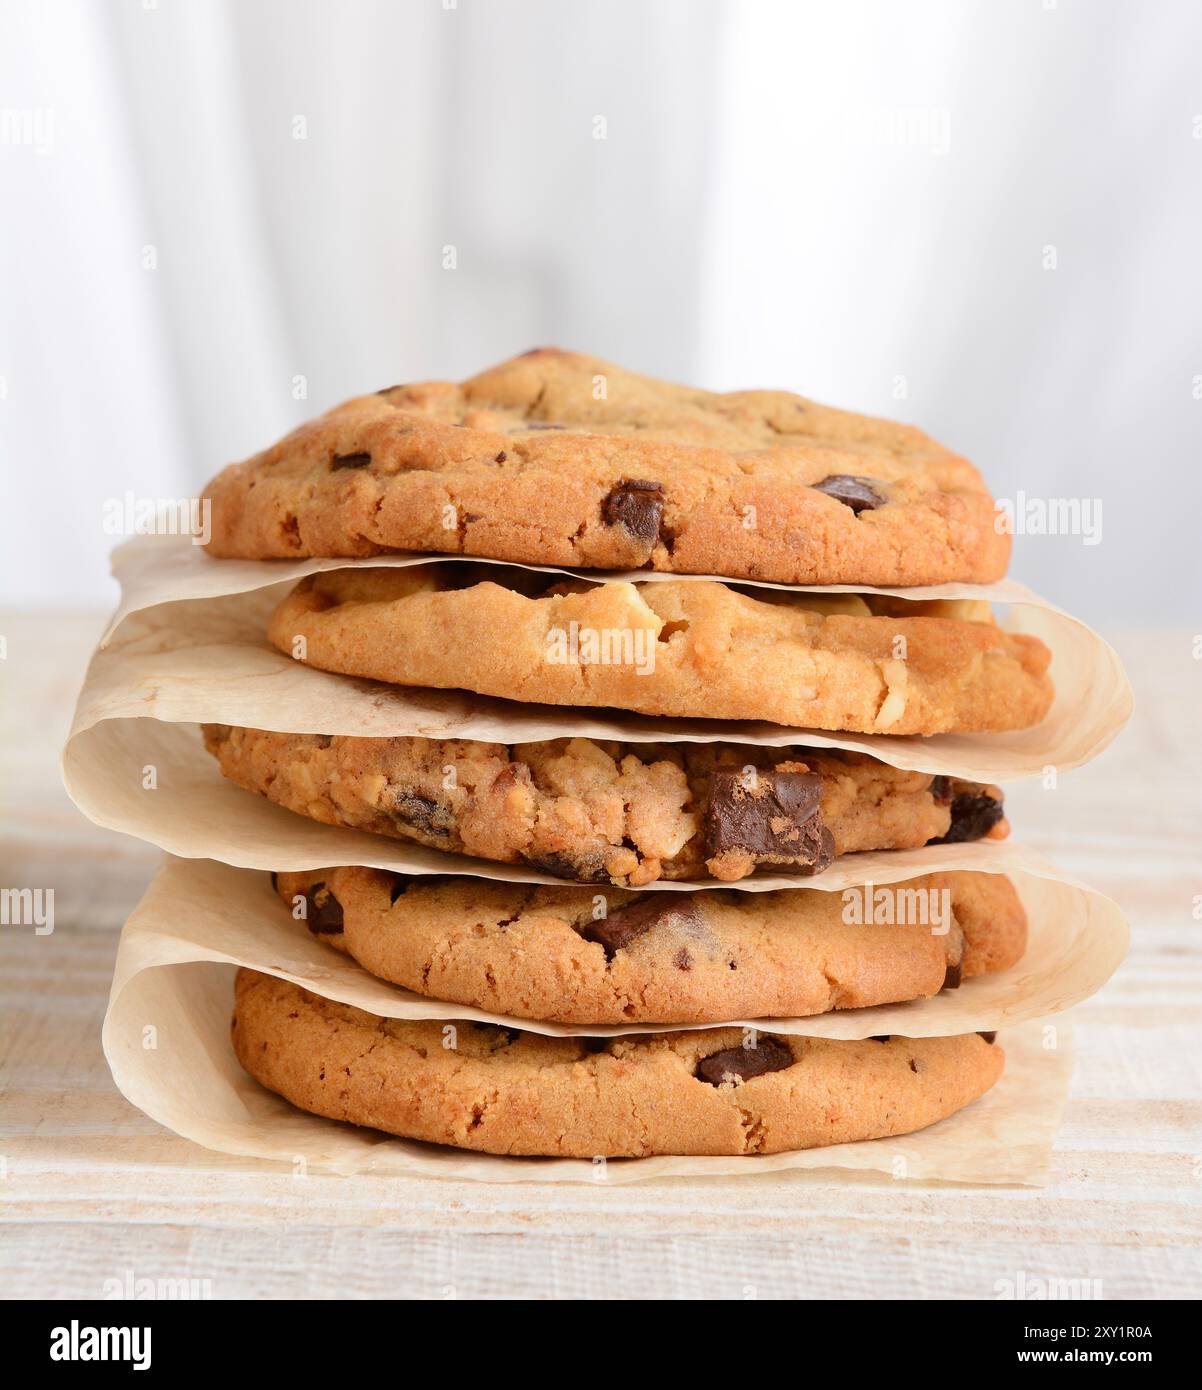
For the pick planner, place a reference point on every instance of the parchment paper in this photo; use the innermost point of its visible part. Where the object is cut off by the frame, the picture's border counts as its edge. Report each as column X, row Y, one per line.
column 166, row 1037
column 167, row 569
column 1077, row 940
column 194, row 812
column 210, row 660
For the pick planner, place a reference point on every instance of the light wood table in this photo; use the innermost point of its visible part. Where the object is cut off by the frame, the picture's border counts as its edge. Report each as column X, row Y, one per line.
column 93, row 1191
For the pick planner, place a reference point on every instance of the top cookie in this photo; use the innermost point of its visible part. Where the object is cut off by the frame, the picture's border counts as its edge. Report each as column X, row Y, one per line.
column 559, row 458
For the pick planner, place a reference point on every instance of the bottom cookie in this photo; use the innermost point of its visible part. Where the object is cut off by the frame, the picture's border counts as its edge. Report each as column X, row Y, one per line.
column 711, row 1091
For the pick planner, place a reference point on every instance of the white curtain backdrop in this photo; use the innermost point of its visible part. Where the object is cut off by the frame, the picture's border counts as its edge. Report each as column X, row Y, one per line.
column 981, row 215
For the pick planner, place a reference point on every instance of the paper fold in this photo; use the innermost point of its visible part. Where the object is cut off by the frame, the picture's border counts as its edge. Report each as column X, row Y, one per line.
column 166, row 1037
column 1076, row 941
column 155, row 781
column 209, row 661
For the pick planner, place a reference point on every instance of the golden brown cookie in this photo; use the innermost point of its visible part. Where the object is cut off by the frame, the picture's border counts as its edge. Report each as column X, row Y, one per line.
column 571, row 955
column 626, row 813
column 559, row 458
column 508, row 1092
column 690, row 648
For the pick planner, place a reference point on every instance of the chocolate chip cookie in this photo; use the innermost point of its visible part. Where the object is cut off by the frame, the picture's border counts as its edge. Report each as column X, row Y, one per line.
column 571, row 955
column 691, row 648
column 624, row 813
column 558, row 458
column 711, row 1091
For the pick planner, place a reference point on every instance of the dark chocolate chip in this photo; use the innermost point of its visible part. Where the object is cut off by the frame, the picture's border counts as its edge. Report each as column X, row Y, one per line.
column 501, row 457
column 972, row 817
column 616, row 931
column 856, row 493
column 952, row 978
column 989, row 1037
column 511, row 1035
column 777, row 820
column 421, row 813
column 636, row 505
column 323, row 911
column 941, row 790
column 560, row 865
column 744, row 1062
column 349, row 461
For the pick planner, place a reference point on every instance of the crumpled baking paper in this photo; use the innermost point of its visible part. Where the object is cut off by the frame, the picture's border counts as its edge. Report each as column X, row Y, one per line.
column 1093, row 697
column 1077, row 939
column 166, row 1037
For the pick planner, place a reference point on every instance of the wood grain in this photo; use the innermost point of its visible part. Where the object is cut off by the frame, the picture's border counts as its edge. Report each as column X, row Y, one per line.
column 92, row 1191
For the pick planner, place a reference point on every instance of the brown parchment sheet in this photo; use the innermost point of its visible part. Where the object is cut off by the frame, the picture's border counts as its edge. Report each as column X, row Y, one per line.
column 1077, row 939
column 192, row 811
column 166, row 1037
column 209, row 660
column 170, row 569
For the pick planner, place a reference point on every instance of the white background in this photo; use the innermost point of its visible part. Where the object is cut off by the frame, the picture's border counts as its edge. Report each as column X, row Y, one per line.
column 851, row 199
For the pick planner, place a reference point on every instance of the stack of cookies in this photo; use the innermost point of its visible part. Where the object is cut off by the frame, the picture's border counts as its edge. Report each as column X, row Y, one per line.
column 569, row 541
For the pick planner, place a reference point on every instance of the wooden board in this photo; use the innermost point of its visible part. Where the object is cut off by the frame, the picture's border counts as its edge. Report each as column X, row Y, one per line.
column 95, row 1195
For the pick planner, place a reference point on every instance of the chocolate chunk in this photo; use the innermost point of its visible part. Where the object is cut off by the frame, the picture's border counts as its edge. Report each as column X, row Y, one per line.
column 422, row 814
column 972, row 817
column 989, row 1037
column 505, row 1036
column 744, row 1062
column 941, row 790
column 501, row 457
column 401, row 883
column 856, row 493
column 349, row 461
column 637, row 506
column 559, row 865
column 952, row 978
column 777, row 820
column 616, row 931
column 323, row 911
